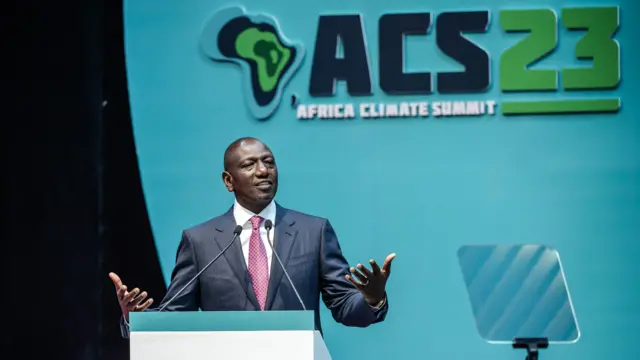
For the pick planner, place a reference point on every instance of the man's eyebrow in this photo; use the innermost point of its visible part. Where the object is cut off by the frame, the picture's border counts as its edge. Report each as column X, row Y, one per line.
column 247, row 158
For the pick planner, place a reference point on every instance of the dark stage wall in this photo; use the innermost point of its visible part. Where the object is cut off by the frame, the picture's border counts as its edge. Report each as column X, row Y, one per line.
column 74, row 198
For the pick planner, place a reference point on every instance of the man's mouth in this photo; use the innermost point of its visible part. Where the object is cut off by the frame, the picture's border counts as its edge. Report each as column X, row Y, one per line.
column 264, row 185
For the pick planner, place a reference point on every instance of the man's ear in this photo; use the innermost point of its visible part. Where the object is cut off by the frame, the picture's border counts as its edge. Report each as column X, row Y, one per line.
column 228, row 181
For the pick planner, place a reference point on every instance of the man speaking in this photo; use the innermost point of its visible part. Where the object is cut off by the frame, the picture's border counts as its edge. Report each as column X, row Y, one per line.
column 252, row 242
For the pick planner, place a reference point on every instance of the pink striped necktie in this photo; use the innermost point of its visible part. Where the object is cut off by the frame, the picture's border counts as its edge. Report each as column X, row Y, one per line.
column 258, row 263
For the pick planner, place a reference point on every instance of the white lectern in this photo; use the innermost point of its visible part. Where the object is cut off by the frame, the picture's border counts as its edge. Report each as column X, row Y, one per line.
column 219, row 335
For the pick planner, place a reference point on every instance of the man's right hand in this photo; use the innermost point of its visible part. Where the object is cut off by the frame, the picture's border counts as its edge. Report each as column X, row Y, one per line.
column 129, row 300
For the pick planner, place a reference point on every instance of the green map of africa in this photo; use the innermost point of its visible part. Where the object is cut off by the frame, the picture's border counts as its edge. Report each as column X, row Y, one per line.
column 265, row 49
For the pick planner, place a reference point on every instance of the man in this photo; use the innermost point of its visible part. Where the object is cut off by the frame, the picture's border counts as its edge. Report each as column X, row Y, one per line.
column 245, row 277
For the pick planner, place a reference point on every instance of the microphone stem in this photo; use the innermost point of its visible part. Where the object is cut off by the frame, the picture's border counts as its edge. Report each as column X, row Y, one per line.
column 273, row 250
column 199, row 273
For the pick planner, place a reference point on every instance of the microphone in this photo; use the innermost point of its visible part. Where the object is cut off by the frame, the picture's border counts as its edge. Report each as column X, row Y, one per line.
column 268, row 224
column 236, row 233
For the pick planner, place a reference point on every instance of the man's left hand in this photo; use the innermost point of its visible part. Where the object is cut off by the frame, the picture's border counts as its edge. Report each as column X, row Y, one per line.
column 372, row 283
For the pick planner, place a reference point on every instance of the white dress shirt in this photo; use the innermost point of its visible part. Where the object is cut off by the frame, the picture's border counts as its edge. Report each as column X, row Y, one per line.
column 243, row 217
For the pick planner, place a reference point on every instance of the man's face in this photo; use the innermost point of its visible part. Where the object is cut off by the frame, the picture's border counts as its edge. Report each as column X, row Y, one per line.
column 252, row 175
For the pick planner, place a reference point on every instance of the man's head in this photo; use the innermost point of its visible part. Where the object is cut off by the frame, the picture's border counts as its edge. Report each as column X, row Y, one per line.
column 250, row 172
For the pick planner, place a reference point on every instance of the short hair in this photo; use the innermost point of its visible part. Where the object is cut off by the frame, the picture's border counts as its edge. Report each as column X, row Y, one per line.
column 232, row 147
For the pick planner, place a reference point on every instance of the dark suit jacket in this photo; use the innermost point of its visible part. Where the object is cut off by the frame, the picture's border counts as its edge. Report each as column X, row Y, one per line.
column 308, row 248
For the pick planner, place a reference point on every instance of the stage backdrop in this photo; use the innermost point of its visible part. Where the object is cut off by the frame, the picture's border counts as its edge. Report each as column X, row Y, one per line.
column 416, row 127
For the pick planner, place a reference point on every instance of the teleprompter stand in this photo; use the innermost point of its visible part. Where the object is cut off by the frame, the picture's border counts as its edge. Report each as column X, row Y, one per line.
column 532, row 345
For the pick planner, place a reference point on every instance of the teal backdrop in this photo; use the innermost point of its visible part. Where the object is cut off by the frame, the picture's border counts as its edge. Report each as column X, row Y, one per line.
column 421, row 187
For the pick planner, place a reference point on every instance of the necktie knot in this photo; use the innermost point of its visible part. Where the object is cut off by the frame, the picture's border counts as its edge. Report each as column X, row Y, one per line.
column 255, row 222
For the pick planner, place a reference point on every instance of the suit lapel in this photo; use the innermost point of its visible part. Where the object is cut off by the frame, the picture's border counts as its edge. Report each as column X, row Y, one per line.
column 234, row 255
column 285, row 235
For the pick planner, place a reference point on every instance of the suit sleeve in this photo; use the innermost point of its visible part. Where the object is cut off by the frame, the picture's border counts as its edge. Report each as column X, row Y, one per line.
column 346, row 303
column 185, row 269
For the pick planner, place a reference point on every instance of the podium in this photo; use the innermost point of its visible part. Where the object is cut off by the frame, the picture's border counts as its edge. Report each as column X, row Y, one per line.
column 220, row 335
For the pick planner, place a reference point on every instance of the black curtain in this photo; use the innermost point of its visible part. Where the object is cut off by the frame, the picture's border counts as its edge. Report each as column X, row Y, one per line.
column 75, row 208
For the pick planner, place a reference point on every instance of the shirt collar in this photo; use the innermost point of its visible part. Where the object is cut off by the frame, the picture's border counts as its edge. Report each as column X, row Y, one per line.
column 242, row 215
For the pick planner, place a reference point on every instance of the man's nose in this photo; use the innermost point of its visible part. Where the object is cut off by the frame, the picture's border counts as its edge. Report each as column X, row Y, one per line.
column 261, row 169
